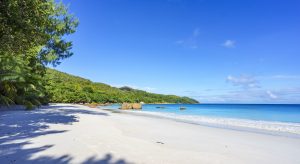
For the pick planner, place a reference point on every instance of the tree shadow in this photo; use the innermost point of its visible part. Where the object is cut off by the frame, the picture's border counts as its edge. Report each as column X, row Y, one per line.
column 107, row 159
column 18, row 127
column 25, row 158
column 30, row 124
column 75, row 110
column 16, row 153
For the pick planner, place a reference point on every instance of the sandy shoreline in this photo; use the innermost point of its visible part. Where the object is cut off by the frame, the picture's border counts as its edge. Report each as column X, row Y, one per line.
column 65, row 133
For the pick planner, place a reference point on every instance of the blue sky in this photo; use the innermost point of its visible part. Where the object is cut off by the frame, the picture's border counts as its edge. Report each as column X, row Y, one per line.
column 212, row 50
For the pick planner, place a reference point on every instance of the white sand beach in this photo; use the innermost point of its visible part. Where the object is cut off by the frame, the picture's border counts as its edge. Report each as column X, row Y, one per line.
column 66, row 133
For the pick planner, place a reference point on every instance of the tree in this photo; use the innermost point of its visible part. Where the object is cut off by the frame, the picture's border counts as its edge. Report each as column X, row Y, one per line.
column 31, row 37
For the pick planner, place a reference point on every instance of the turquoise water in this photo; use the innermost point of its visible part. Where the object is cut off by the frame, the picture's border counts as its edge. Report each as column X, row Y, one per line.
column 289, row 113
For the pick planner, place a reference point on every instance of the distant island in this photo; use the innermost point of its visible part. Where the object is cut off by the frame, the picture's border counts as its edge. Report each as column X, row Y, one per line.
column 66, row 88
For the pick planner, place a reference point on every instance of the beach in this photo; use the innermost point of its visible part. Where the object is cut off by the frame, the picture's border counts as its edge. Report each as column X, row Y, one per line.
column 68, row 133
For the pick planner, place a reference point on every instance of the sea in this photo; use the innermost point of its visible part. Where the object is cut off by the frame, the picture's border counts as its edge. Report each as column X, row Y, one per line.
column 281, row 119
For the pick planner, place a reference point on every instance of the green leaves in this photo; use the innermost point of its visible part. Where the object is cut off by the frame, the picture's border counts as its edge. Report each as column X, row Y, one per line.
column 31, row 36
column 71, row 89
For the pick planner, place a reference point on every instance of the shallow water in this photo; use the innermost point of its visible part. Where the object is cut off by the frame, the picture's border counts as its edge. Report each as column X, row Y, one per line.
column 283, row 118
column 263, row 112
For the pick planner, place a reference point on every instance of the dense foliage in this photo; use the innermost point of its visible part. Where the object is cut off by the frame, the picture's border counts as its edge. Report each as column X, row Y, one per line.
column 72, row 89
column 31, row 36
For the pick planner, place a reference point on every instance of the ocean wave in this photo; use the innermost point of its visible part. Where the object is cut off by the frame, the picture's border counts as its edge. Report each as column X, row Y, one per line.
column 252, row 125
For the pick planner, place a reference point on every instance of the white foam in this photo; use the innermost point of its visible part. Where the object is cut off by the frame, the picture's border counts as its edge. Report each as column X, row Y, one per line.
column 271, row 126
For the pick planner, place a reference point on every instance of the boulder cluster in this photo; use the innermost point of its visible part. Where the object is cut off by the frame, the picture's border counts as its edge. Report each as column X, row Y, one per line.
column 131, row 106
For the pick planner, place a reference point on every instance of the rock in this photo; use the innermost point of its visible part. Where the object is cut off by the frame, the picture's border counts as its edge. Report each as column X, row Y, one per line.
column 136, row 106
column 93, row 105
column 131, row 106
column 126, row 106
column 182, row 108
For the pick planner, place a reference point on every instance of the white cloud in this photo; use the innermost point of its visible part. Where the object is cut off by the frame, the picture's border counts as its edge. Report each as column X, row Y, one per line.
column 286, row 77
column 248, row 90
column 191, row 41
column 243, row 81
column 147, row 88
column 229, row 44
column 150, row 89
column 279, row 77
column 271, row 95
column 238, row 95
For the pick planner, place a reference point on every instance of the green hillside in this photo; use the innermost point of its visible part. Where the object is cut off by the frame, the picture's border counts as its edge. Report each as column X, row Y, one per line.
column 66, row 88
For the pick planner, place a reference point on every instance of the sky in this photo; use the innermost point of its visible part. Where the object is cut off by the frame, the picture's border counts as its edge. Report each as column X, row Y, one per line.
column 216, row 51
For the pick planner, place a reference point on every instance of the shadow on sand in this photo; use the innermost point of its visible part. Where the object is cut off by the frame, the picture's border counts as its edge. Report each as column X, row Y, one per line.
column 18, row 127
